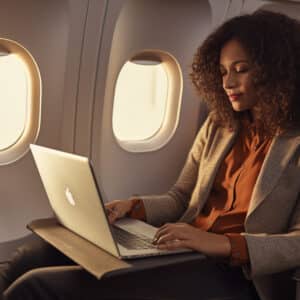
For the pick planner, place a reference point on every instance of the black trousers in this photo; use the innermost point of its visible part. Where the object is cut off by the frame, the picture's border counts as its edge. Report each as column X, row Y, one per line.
column 38, row 271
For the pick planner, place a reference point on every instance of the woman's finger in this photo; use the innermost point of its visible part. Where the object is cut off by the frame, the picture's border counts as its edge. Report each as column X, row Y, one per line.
column 165, row 238
column 175, row 233
column 167, row 228
column 112, row 217
column 115, row 207
column 173, row 245
column 162, row 231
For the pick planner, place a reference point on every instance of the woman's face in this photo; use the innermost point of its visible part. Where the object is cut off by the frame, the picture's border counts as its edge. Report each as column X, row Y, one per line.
column 236, row 72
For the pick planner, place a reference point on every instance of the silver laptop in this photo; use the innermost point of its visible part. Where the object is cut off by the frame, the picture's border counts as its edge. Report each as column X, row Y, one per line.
column 75, row 198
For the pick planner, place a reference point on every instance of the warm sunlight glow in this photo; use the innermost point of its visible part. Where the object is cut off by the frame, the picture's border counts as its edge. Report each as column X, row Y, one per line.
column 140, row 101
column 13, row 99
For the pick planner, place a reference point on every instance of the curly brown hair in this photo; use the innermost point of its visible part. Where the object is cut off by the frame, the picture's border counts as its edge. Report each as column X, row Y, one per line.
column 272, row 41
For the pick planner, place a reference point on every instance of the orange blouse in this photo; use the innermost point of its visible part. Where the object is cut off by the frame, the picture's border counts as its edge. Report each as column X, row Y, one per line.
column 227, row 205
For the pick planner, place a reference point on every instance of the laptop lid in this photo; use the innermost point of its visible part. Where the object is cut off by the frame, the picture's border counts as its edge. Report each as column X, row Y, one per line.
column 74, row 196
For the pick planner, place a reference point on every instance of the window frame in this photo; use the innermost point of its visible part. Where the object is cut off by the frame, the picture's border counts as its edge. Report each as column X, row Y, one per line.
column 33, row 106
column 173, row 103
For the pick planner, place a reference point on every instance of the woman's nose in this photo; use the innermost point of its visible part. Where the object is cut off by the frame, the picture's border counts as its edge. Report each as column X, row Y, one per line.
column 230, row 81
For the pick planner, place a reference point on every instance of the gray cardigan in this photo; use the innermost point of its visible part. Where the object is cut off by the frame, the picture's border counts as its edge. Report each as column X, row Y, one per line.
column 272, row 224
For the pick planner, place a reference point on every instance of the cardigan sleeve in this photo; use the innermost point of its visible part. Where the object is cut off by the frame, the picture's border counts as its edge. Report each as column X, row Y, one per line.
column 273, row 253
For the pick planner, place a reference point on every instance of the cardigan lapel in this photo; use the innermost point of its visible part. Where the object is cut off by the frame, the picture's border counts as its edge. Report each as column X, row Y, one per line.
column 281, row 151
column 222, row 145
column 219, row 148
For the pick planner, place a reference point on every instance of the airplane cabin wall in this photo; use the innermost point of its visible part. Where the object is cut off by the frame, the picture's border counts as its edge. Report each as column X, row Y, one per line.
column 31, row 24
column 53, row 33
column 177, row 28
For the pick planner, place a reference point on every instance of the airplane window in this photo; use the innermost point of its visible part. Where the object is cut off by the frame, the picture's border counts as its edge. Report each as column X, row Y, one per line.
column 20, row 100
column 147, row 102
column 13, row 99
column 140, row 101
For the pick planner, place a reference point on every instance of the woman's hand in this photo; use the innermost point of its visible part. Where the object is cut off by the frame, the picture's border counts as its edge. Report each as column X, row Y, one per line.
column 117, row 209
column 182, row 235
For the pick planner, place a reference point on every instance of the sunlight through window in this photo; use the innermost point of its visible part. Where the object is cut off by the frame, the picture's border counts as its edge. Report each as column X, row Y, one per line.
column 13, row 99
column 20, row 101
column 147, row 101
column 140, row 101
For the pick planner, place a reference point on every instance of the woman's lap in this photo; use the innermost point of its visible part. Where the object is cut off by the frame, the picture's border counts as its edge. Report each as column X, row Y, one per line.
column 32, row 255
column 74, row 283
column 202, row 280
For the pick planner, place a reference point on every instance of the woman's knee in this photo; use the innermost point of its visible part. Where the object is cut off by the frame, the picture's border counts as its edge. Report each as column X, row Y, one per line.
column 55, row 283
column 34, row 254
column 28, row 286
column 30, row 255
column 38, row 253
column 22, row 260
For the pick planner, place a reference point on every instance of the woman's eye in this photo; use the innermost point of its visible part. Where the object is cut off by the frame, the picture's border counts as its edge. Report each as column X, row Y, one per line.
column 242, row 70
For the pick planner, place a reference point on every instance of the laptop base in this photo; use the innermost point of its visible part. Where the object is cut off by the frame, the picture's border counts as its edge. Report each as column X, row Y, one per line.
column 95, row 260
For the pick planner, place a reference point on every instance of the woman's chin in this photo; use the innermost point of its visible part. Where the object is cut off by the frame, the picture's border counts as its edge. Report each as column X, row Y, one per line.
column 238, row 108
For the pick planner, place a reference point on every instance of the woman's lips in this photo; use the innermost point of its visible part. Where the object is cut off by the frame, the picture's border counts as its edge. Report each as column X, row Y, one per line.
column 234, row 97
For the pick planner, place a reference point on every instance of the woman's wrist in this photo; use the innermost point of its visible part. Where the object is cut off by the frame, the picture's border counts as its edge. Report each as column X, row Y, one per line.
column 225, row 246
column 218, row 245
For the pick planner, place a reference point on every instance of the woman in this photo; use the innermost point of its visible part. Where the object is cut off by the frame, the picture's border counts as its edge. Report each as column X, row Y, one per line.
column 237, row 197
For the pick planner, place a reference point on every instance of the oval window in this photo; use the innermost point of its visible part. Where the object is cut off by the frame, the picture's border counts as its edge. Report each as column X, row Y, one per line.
column 13, row 99
column 20, row 100
column 147, row 101
column 140, row 101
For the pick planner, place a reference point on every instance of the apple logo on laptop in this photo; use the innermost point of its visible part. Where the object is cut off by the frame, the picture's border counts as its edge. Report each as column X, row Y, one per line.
column 69, row 196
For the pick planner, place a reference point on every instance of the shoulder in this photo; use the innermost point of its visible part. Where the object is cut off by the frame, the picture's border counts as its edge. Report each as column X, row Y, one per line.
column 208, row 126
column 289, row 145
column 211, row 129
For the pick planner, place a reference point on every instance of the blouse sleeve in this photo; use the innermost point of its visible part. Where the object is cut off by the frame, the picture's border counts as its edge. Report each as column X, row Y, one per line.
column 239, row 251
column 137, row 209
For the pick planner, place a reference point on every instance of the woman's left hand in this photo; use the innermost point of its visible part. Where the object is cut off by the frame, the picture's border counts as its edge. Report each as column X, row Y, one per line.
column 182, row 235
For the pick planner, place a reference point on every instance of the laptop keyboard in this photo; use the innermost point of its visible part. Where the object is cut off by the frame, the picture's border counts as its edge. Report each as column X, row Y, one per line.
column 130, row 240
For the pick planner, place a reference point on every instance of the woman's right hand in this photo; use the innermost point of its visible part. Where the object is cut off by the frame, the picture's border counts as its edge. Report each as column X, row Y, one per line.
column 117, row 209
